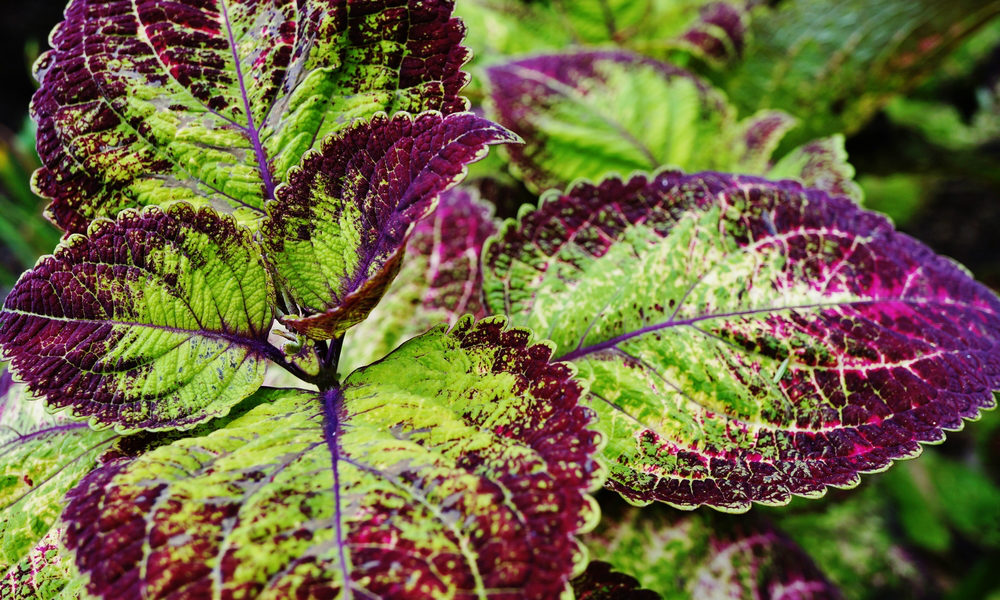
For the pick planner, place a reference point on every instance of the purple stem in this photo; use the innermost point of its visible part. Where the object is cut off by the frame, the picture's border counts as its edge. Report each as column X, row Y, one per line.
column 251, row 130
column 332, row 401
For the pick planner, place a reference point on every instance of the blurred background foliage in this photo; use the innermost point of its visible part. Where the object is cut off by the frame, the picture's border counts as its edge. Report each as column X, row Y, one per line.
column 915, row 87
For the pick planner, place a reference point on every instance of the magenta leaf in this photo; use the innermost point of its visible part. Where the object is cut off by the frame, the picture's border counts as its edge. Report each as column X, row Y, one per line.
column 158, row 320
column 146, row 102
column 747, row 340
column 457, row 467
column 337, row 231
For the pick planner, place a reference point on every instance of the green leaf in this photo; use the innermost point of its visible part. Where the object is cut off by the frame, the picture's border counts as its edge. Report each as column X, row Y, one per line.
column 457, row 467
column 591, row 114
column 502, row 28
column 853, row 537
column 820, row 164
column 41, row 458
column 834, row 65
column 158, row 320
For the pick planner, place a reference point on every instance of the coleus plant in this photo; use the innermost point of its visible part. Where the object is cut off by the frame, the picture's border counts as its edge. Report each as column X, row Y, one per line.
column 241, row 183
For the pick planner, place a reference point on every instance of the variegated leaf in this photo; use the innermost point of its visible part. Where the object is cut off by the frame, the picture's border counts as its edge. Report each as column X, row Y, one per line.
column 747, row 340
column 41, row 458
column 707, row 556
column 457, row 467
column 144, row 102
column 158, row 320
column 590, row 114
column 337, row 231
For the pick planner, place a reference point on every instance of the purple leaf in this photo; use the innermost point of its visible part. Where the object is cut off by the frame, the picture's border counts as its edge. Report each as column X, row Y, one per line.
column 600, row 582
column 457, row 467
column 146, row 102
column 158, row 320
column 337, row 230
column 747, row 340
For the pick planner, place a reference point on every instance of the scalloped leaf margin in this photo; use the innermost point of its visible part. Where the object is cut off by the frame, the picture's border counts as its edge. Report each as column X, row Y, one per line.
column 746, row 340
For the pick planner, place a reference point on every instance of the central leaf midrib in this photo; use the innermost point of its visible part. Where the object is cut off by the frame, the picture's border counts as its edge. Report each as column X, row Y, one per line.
column 251, row 129
column 582, row 351
column 259, row 346
column 332, row 400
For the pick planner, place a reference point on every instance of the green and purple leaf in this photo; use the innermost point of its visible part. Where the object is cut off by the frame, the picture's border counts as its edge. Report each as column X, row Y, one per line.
column 41, row 458
column 158, row 320
column 146, row 102
column 590, row 114
column 457, row 467
column 43, row 574
column 820, row 164
column 702, row 556
column 337, row 231
column 747, row 340
column 441, row 279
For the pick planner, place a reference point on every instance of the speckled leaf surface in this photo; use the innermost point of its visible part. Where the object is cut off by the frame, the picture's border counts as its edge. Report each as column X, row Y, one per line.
column 747, row 340
column 45, row 573
column 143, row 102
column 440, row 280
column 337, row 231
column 707, row 556
column 835, row 65
column 458, row 467
column 601, row 582
column 41, row 458
column 157, row 320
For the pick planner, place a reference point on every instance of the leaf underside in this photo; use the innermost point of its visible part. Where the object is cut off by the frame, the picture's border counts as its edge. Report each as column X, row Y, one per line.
column 157, row 320
column 747, row 340
column 142, row 103
column 434, row 473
